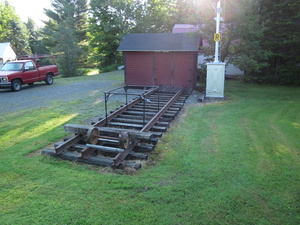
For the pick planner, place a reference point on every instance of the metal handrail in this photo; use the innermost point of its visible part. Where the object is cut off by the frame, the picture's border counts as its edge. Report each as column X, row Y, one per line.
column 150, row 90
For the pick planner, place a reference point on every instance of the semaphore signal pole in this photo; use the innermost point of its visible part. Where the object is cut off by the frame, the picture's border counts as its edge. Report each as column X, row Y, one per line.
column 217, row 36
column 216, row 70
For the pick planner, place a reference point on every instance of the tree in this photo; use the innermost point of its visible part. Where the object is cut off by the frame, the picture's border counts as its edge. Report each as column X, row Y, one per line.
column 281, row 18
column 13, row 30
column 160, row 15
column 68, row 43
column 18, row 37
column 7, row 14
column 65, row 33
column 245, row 47
column 109, row 22
column 35, row 38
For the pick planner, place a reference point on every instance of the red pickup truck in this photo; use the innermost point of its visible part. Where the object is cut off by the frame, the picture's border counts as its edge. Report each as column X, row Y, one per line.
column 27, row 70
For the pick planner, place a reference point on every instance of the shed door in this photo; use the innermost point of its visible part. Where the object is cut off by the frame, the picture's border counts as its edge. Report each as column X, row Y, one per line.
column 162, row 69
column 138, row 69
column 183, row 62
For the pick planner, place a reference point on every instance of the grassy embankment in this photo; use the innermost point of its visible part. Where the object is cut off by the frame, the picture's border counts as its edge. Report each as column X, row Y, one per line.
column 232, row 162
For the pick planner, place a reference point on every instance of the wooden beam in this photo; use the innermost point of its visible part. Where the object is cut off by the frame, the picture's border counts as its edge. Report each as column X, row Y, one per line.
column 99, row 161
column 67, row 144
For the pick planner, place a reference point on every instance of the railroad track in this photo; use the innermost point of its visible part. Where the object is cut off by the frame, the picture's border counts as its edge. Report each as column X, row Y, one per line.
column 127, row 134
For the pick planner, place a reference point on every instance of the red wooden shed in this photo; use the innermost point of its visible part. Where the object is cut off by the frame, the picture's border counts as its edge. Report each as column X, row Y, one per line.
column 160, row 59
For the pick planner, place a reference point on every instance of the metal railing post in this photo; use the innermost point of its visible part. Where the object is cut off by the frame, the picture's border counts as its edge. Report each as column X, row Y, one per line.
column 106, row 99
column 144, row 115
column 126, row 97
column 158, row 100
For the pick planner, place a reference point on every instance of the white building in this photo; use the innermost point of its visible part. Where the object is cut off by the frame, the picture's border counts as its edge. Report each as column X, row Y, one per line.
column 6, row 53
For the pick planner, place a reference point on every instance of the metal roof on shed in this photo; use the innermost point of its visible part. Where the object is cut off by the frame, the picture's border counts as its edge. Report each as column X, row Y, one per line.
column 152, row 42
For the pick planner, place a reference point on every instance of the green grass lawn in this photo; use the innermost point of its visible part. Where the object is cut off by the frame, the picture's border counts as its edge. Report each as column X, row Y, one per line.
column 230, row 162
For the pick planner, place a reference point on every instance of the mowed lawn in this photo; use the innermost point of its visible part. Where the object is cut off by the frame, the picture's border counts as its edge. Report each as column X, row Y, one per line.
column 230, row 162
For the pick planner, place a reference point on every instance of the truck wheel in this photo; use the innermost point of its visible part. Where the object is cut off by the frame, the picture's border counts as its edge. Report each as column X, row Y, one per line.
column 49, row 79
column 16, row 85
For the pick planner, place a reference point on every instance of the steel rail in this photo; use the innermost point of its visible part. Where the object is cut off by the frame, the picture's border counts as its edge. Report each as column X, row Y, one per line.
column 154, row 120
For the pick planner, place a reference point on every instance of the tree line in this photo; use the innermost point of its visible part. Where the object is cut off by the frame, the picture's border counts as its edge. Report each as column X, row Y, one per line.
column 261, row 37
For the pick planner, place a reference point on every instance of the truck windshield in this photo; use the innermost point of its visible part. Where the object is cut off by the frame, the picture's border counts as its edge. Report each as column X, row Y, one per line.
column 12, row 67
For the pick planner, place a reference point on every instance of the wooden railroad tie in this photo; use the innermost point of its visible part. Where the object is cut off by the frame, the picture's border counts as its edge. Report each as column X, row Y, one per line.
column 127, row 139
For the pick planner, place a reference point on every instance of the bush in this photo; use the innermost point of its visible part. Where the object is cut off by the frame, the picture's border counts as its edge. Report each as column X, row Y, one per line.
column 201, row 76
column 268, row 79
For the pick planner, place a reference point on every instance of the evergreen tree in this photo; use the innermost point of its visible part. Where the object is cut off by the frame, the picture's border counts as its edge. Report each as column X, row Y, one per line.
column 69, row 47
column 35, row 38
column 281, row 19
column 245, row 47
column 65, row 34
column 18, row 37
column 7, row 14
column 13, row 30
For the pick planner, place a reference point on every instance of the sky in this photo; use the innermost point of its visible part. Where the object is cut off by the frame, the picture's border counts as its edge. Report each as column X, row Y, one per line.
column 31, row 8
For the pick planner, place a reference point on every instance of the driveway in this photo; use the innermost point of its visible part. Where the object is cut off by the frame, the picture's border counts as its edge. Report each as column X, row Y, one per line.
column 63, row 90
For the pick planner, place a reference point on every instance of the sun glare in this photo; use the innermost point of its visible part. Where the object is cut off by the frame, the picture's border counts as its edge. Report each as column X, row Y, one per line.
column 206, row 7
column 32, row 9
